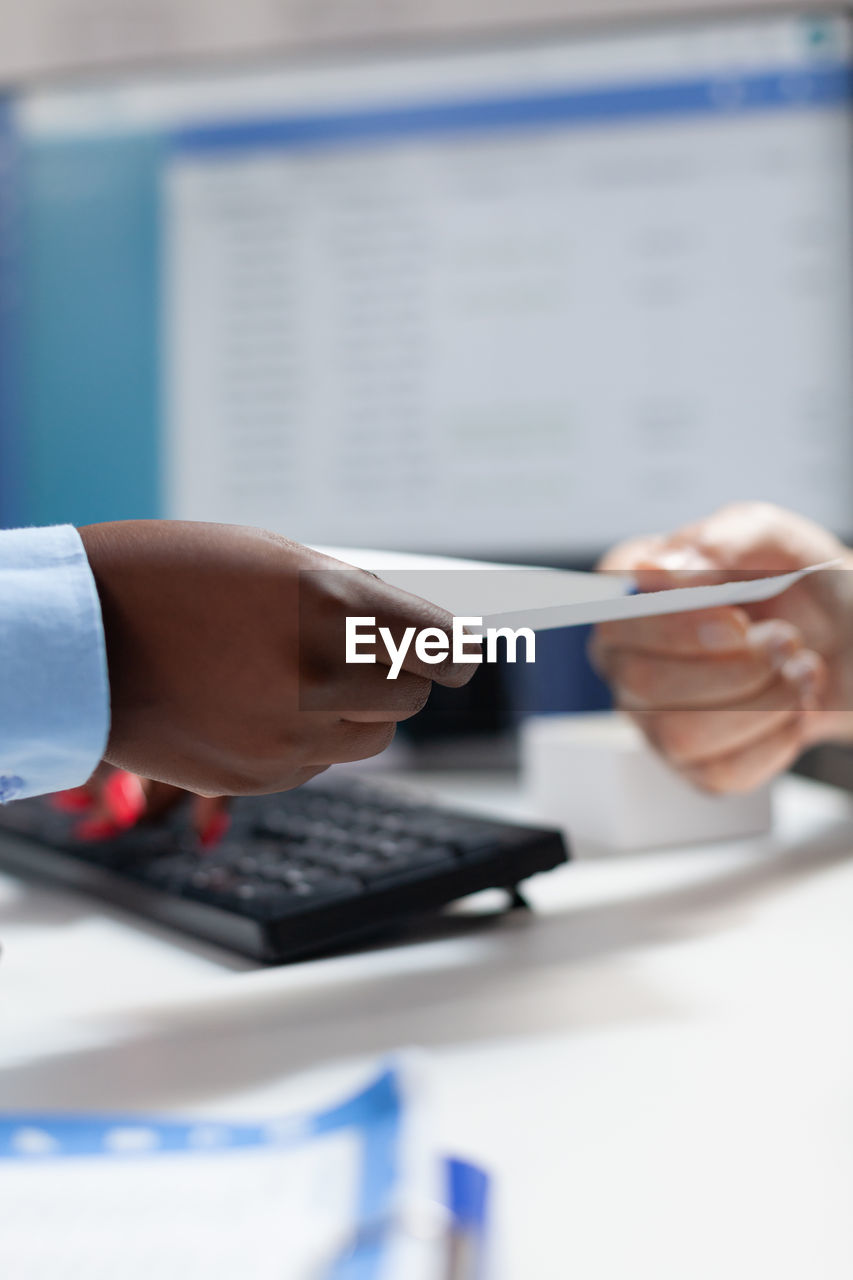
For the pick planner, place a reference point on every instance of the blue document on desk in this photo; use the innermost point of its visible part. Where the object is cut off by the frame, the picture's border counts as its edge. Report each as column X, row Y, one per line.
column 352, row 1192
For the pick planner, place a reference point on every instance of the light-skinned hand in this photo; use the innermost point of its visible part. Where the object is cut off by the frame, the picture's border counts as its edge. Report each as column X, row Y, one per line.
column 732, row 696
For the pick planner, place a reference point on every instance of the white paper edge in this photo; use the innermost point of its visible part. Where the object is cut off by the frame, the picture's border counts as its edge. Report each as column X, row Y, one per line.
column 656, row 603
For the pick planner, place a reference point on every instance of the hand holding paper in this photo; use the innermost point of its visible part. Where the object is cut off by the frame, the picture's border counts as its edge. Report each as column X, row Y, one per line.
column 545, row 599
column 735, row 654
column 731, row 697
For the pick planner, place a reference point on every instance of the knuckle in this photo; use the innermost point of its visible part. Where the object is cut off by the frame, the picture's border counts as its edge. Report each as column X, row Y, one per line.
column 330, row 595
column 324, row 591
column 317, row 673
column 432, row 615
column 412, row 610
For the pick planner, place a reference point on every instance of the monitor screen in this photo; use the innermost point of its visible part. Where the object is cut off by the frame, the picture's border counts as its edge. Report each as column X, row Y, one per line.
column 514, row 301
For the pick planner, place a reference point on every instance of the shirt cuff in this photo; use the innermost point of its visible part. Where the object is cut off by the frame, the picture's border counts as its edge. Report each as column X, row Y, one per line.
column 54, row 689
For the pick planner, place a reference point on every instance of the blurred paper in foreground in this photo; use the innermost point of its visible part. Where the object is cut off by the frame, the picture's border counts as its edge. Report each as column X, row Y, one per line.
column 348, row 1193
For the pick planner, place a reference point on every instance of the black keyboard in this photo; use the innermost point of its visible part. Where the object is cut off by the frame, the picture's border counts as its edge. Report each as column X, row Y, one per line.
column 297, row 873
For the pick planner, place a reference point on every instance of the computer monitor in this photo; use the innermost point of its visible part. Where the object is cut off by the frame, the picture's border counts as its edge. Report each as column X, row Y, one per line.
column 516, row 300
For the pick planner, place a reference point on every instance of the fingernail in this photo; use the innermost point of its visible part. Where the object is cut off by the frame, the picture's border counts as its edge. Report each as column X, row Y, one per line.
column 777, row 640
column 682, row 559
column 804, row 669
column 215, row 830
column 96, row 829
column 719, row 634
column 78, row 800
column 124, row 798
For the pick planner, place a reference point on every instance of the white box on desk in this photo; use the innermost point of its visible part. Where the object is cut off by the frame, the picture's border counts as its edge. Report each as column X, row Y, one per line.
column 597, row 777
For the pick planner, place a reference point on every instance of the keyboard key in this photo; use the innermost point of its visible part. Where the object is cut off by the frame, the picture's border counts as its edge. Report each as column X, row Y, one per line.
column 426, row 858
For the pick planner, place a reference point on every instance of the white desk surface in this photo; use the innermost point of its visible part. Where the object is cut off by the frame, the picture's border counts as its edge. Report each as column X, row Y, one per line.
column 657, row 1065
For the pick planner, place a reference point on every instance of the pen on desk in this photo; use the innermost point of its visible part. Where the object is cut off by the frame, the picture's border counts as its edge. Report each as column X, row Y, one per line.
column 467, row 1199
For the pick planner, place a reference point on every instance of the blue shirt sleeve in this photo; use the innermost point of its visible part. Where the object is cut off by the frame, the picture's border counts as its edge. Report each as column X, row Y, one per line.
column 54, row 691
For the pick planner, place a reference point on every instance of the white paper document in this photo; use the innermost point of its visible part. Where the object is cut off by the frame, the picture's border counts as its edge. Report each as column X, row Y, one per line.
column 542, row 599
column 351, row 1191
